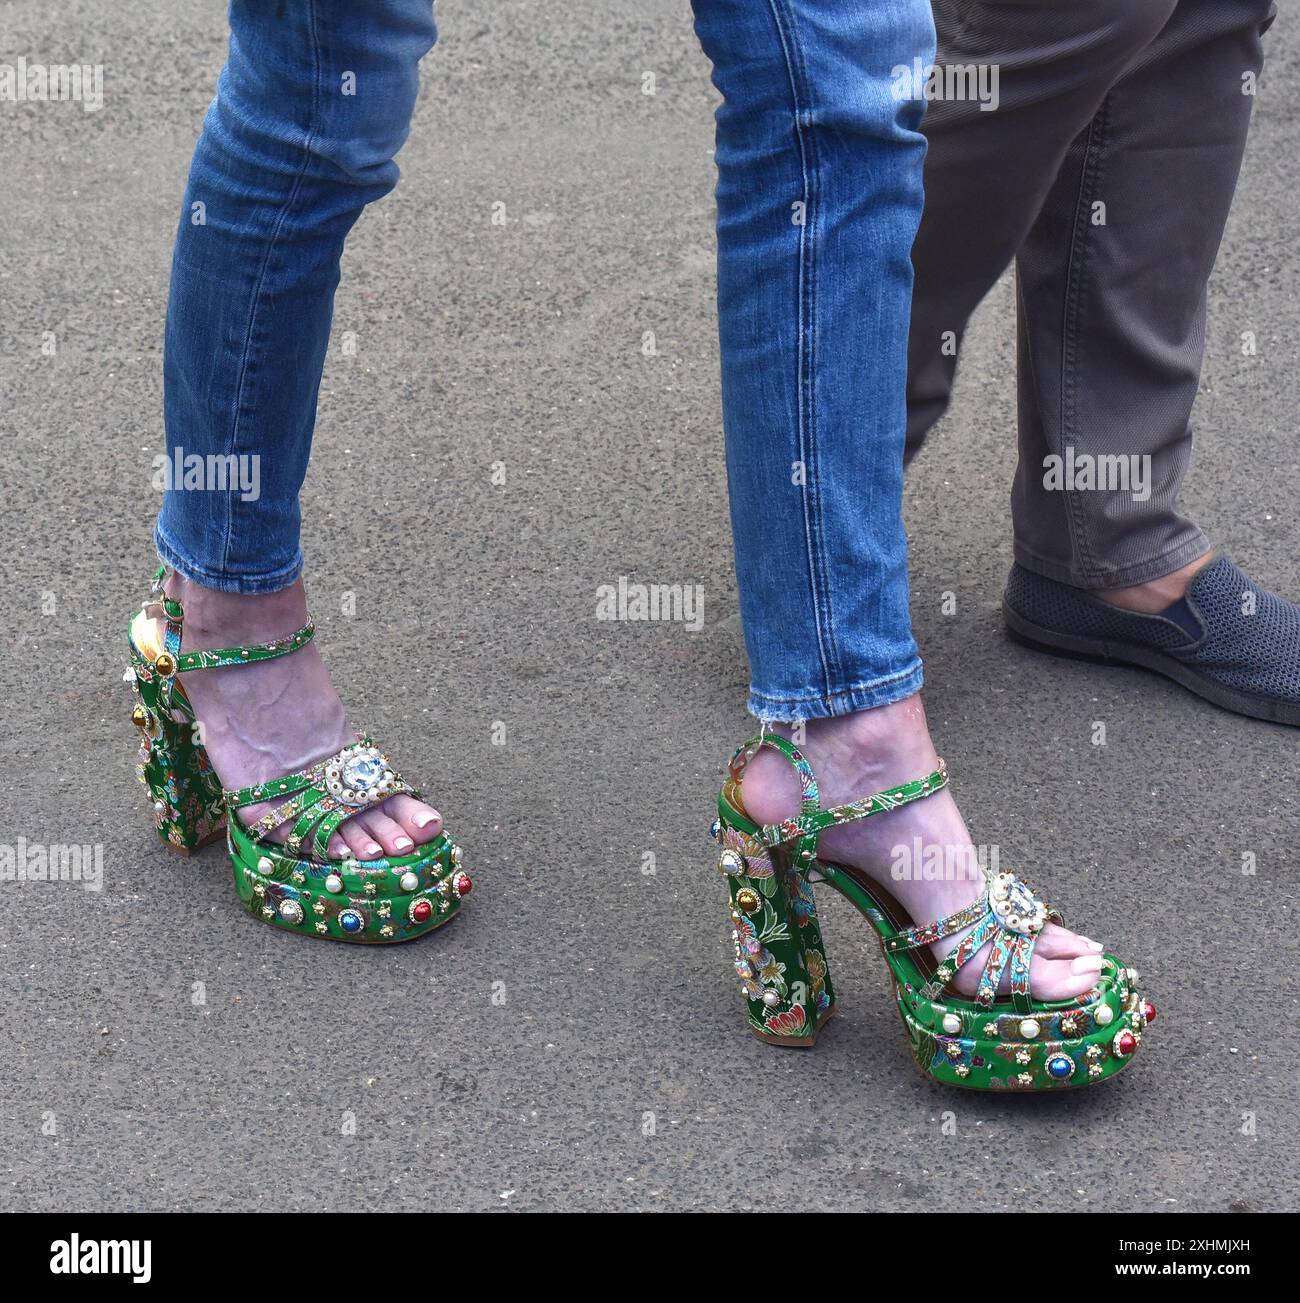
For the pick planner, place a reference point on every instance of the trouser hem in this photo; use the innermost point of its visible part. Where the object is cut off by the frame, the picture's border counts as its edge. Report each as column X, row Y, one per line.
column 270, row 582
column 1140, row 572
column 787, row 707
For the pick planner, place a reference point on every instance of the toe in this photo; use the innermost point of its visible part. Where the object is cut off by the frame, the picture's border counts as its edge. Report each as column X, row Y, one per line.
column 1060, row 943
column 1063, row 979
column 361, row 843
column 387, row 832
column 422, row 823
column 1063, row 965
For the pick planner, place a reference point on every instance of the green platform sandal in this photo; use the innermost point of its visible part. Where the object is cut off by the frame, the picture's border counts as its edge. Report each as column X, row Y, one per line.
column 982, row 1042
column 291, row 885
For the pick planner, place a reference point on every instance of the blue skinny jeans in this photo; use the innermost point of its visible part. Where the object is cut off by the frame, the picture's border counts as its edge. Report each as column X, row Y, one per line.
column 819, row 195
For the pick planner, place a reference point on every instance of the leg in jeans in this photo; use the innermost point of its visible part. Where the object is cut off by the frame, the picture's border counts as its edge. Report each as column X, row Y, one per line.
column 819, row 191
column 312, row 105
column 819, row 169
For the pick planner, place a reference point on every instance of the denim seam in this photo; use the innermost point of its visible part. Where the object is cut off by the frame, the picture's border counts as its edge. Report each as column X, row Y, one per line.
column 1077, row 264
column 823, row 616
column 312, row 131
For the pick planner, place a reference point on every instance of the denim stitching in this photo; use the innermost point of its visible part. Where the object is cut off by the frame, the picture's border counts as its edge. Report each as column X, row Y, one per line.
column 823, row 619
column 312, row 132
column 850, row 690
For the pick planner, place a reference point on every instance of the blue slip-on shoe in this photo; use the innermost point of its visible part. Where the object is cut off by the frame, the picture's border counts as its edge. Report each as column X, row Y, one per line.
column 1226, row 639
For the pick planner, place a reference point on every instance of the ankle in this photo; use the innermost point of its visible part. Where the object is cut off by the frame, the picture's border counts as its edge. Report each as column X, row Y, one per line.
column 215, row 618
column 888, row 742
column 1158, row 594
column 852, row 756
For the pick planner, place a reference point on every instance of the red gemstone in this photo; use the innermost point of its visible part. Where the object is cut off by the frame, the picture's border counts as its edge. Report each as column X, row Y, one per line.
column 463, row 884
column 1148, row 1011
column 421, row 910
column 1125, row 1044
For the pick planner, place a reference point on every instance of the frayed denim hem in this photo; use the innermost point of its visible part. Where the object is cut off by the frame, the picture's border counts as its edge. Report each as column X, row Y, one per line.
column 788, row 707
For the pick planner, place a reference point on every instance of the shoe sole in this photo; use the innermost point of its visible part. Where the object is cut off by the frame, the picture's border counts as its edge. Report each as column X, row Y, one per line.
column 1108, row 652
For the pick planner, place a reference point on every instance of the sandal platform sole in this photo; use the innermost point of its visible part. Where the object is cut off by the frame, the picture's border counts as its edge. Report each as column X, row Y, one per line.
column 781, row 962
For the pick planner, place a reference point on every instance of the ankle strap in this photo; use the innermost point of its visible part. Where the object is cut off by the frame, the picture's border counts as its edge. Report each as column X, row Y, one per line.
column 813, row 820
column 877, row 803
column 174, row 661
column 257, row 651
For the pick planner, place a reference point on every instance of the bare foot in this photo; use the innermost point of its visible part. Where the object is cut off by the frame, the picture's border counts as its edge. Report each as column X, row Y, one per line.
column 269, row 718
column 856, row 755
column 1155, row 595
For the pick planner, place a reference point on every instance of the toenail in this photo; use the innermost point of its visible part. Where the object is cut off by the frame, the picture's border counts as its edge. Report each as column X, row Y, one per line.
column 425, row 818
column 374, row 848
column 1096, row 945
column 402, row 842
column 1086, row 964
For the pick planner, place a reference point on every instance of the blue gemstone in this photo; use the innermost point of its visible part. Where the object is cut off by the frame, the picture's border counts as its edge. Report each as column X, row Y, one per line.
column 351, row 921
column 1060, row 1066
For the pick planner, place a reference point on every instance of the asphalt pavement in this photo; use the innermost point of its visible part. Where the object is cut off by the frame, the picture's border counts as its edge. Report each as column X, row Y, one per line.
column 575, row 1039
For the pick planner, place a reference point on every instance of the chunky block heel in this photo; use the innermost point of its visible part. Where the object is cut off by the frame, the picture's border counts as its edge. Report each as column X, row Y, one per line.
column 982, row 1042
column 780, row 958
column 185, row 794
column 290, row 884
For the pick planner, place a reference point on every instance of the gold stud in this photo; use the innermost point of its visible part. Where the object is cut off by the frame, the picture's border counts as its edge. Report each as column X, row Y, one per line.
column 747, row 900
column 165, row 665
column 140, row 717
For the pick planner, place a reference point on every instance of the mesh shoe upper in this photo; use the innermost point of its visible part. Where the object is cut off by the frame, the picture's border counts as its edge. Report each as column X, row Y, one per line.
column 1072, row 610
column 1250, row 637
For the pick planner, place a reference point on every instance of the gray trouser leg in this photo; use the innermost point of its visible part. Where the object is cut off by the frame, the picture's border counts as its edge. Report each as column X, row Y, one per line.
column 1136, row 105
